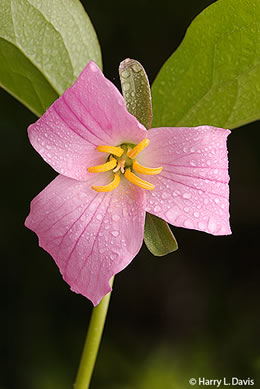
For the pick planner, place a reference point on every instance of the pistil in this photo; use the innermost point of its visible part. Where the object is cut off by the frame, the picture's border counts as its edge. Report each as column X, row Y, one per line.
column 122, row 161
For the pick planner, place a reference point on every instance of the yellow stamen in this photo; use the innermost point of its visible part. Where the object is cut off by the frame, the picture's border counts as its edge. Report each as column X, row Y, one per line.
column 118, row 151
column 109, row 187
column 136, row 150
column 138, row 181
column 104, row 167
column 146, row 170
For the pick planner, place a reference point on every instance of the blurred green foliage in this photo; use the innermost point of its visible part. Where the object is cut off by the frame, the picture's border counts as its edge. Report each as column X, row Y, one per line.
column 192, row 313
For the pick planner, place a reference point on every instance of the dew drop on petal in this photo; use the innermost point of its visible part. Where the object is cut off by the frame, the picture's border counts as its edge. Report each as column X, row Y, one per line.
column 165, row 195
column 125, row 212
column 212, row 226
column 173, row 213
column 201, row 225
column 157, row 208
column 99, row 216
column 115, row 233
column 93, row 67
column 115, row 218
column 188, row 224
column 186, row 196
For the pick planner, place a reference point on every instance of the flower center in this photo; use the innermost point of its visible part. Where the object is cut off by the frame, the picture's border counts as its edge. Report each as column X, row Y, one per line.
column 121, row 161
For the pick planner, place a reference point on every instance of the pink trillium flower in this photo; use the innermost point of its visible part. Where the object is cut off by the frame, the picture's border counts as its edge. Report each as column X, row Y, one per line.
column 91, row 217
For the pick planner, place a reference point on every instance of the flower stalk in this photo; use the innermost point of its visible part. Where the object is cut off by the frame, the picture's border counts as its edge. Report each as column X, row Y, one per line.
column 91, row 347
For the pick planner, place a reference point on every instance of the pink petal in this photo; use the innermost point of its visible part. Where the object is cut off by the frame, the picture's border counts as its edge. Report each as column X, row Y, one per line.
column 192, row 189
column 91, row 236
column 91, row 112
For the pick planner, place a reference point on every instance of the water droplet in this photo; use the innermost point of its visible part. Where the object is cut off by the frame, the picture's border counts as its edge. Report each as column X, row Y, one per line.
column 115, row 233
column 136, row 68
column 99, row 216
column 115, row 218
column 165, row 195
column 212, row 225
column 201, row 225
column 173, row 213
column 188, row 224
column 186, row 209
column 186, row 196
column 126, row 86
column 196, row 214
column 193, row 163
column 157, row 208
column 216, row 200
column 125, row 74
column 93, row 67
column 125, row 212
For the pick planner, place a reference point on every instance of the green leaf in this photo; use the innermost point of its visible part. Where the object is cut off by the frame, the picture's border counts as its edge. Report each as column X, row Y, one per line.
column 158, row 236
column 44, row 45
column 137, row 94
column 214, row 76
column 136, row 91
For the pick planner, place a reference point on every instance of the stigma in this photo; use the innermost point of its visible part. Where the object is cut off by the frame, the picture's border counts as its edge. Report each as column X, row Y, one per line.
column 121, row 161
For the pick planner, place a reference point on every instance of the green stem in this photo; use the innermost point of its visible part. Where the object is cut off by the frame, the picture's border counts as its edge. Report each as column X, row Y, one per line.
column 92, row 343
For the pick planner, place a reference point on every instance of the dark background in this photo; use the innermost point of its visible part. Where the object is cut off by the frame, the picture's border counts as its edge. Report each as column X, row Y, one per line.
column 192, row 313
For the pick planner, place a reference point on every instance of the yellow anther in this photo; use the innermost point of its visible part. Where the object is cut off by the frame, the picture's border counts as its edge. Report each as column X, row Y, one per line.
column 146, row 170
column 136, row 150
column 118, row 151
column 137, row 180
column 109, row 187
column 104, row 167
